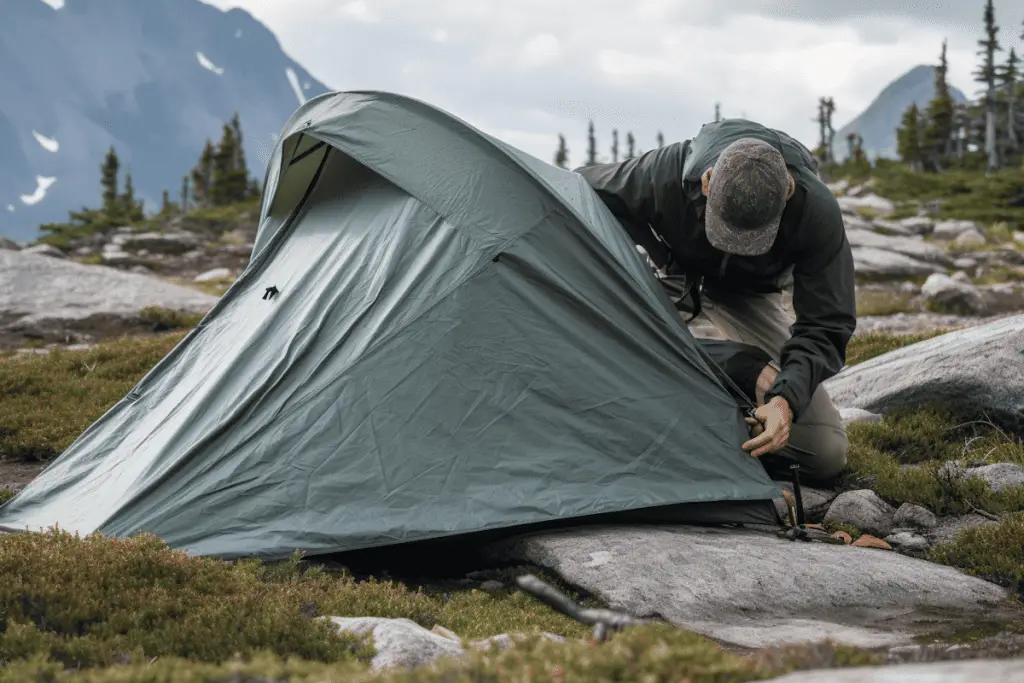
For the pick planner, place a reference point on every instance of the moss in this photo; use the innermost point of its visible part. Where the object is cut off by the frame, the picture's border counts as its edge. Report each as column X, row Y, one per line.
column 165, row 319
column 999, row 274
column 6, row 495
column 994, row 552
column 91, row 260
column 48, row 400
column 872, row 303
column 869, row 345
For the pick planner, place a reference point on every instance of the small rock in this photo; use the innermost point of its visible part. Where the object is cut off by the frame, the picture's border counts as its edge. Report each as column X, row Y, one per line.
column 141, row 270
column 908, row 541
column 965, row 263
column 44, row 250
column 1000, row 476
column 9, row 244
column 399, row 642
column 961, row 276
column 885, row 263
column 872, row 202
column 919, row 225
column 915, row 516
column 215, row 274
column 504, row 641
column 971, row 239
column 950, row 230
column 909, row 287
column 446, row 633
column 1018, row 236
column 869, row 541
column 948, row 529
column 945, row 294
column 849, row 416
column 491, row 586
column 815, row 501
column 864, row 510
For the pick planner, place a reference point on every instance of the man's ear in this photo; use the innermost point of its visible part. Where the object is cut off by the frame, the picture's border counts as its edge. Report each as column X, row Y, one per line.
column 705, row 182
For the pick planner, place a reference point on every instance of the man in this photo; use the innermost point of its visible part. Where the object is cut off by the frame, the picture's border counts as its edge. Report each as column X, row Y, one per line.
column 739, row 215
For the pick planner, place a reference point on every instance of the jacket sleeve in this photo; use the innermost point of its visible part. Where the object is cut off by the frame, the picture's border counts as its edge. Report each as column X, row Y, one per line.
column 631, row 188
column 824, row 299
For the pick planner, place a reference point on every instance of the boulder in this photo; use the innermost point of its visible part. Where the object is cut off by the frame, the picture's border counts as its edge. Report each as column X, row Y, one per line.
column 44, row 250
column 918, row 225
column 864, row 510
column 9, row 244
column 969, row 239
column 215, row 274
column 1000, row 476
column 975, row 671
column 950, row 230
column 851, row 415
column 944, row 294
column 965, row 263
column 750, row 588
column 978, row 369
column 882, row 263
column 39, row 294
column 870, row 202
column 815, row 502
column 949, row 528
column 914, row 247
column 915, row 517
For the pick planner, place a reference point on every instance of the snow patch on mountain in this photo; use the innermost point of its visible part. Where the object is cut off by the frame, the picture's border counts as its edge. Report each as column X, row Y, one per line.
column 205, row 62
column 294, row 80
column 42, row 185
column 55, row 4
column 49, row 144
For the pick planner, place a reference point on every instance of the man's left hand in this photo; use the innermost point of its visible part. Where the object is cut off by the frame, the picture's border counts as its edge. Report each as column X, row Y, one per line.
column 776, row 419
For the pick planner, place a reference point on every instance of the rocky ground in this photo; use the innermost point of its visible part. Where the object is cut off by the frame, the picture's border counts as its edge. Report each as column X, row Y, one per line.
column 867, row 581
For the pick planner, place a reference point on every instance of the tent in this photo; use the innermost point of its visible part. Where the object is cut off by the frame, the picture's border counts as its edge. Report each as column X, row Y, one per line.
column 437, row 334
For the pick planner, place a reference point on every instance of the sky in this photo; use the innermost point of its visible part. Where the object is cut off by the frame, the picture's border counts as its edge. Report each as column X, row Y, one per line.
column 527, row 70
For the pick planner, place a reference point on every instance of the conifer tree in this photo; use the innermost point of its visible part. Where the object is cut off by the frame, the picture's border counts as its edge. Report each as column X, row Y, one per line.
column 228, row 182
column 165, row 203
column 661, row 139
column 615, row 145
column 130, row 209
column 184, row 198
column 591, row 145
column 718, row 112
column 1008, row 76
column 202, row 176
column 908, row 137
column 109, row 170
column 562, row 153
column 938, row 131
column 986, row 76
column 630, row 145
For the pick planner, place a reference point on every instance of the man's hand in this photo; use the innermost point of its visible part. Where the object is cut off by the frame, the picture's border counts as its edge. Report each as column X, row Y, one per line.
column 770, row 429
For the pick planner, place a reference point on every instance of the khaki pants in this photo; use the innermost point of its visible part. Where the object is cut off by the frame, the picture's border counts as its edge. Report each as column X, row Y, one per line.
column 764, row 320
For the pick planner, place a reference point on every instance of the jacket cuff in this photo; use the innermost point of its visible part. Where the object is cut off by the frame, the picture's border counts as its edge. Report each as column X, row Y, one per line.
column 782, row 388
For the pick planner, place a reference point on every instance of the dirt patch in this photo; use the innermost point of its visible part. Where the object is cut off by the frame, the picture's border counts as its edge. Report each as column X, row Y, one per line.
column 15, row 476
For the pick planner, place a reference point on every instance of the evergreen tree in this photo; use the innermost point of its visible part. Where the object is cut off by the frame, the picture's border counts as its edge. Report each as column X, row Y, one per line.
column 562, row 153
column 109, row 170
column 184, row 193
column 202, row 176
column 630, row 145
column 130, row 209
column 986, row 75
column 228, row 182
column 938, row 131
column 239, row 161
column 591, row 145
column 908, row 137
column 718, row 112
column 615, row 145
column 661, row 139
column 1008, row 76
column 165, row 203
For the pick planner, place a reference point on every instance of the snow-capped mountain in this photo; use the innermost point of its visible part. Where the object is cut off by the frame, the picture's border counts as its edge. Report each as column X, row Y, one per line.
column 153, row 78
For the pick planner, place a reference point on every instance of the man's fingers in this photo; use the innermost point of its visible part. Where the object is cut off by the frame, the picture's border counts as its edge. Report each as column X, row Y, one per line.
column 777, row 442
column 757, row 442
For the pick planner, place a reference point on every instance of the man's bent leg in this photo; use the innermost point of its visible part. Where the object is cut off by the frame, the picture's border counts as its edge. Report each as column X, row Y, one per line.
column 764, row 321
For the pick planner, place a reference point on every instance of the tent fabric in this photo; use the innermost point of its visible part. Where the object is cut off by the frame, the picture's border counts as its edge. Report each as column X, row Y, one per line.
column 463, row 339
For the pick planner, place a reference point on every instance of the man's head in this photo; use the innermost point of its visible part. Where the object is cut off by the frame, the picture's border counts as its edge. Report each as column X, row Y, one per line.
column 747, row 189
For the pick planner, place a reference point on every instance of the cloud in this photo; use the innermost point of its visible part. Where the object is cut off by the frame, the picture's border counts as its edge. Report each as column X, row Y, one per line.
column 527, row 70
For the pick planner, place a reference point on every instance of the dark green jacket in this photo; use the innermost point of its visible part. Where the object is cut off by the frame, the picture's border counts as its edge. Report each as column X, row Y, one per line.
column 658, row 195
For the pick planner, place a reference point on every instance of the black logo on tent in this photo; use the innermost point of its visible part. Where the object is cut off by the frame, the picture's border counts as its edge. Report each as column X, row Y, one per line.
column 269, row 294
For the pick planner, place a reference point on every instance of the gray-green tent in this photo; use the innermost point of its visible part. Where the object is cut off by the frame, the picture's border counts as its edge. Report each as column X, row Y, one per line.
column 437, row 334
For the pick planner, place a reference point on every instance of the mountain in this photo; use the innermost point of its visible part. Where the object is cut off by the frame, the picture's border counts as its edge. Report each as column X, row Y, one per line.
column 878, row 123
column 153, row 78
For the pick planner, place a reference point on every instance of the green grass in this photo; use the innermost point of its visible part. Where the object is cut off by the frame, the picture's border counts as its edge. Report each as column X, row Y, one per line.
column 1000, row 274
column 872, row 344
column 964, row 194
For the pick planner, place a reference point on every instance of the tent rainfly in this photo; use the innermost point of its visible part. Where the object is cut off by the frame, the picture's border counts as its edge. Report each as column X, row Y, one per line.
column 437, row 334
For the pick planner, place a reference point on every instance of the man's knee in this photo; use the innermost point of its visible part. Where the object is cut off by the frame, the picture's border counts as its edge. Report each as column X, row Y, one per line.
column 830, row 446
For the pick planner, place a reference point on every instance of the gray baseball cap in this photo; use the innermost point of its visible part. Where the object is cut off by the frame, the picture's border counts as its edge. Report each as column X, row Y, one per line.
column 746, row 198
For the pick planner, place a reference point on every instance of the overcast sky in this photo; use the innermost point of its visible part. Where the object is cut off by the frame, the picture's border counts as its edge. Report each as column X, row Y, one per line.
column 526, row 70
